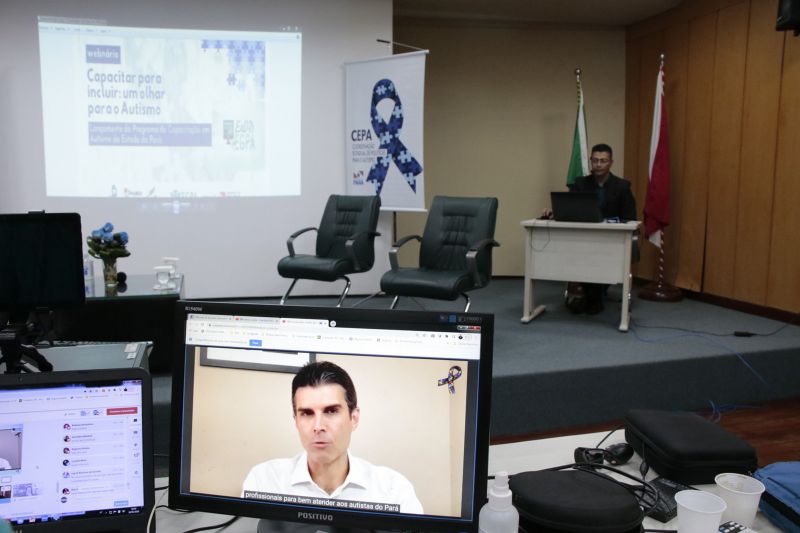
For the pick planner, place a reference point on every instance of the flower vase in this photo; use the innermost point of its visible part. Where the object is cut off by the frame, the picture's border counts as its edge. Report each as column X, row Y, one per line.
column 110, row 272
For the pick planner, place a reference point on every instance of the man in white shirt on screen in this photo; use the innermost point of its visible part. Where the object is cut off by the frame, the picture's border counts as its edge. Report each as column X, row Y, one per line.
column 326, row 413
column 4, row 465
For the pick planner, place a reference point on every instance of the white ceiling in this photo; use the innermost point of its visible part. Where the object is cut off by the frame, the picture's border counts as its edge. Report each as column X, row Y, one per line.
column 595, row 12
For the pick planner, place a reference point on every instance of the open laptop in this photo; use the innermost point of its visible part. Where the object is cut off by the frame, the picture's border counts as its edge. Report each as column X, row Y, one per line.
column 575, row 206
column 76, row 450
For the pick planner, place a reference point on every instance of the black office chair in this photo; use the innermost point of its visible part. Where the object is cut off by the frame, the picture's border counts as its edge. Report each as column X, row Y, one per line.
column 455, row 254
column 345, row 243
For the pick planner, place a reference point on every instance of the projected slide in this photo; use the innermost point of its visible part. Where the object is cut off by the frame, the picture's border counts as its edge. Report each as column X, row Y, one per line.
column 160, row 113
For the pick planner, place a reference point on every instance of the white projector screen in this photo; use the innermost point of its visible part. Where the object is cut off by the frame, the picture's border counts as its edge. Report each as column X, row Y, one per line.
column 225, row 215
column 179, row 113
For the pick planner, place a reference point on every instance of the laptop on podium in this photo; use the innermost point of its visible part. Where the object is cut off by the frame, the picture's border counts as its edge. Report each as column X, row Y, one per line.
column 575, row 206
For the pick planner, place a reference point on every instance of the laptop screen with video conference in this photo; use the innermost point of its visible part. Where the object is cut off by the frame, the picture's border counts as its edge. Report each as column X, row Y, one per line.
column 406, row 403
column 74, row 450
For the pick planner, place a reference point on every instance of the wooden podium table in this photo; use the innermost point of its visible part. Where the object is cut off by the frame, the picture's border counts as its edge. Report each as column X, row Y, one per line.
column 577, row 251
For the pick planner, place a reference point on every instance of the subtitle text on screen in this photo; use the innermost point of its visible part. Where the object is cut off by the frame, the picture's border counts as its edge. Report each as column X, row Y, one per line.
column 350, row 505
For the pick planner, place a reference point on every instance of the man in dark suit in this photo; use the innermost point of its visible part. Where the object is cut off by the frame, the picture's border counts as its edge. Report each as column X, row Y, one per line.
column 616, row 202
column 613, row 193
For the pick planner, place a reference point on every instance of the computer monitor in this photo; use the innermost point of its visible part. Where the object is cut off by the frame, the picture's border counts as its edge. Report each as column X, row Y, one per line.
column 42, row 262
column 413, row 426
column 76, row 451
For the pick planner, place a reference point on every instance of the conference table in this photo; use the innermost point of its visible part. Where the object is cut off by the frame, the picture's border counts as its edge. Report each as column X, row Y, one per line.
column 588, row 252
column 547, row 453
column 513, row 458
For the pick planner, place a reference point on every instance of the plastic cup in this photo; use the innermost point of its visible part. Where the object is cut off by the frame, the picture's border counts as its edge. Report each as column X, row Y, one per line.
column 172, row 262
column 162, row 276
column 699, row 511
column 742, row 494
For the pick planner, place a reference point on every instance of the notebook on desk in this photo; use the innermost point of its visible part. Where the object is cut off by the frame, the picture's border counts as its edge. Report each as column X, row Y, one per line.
column 575, row 206
column 76, row 450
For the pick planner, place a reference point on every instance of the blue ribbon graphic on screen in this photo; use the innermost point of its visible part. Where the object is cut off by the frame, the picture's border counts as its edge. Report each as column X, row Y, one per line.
column 389, row 137
column 452, row 375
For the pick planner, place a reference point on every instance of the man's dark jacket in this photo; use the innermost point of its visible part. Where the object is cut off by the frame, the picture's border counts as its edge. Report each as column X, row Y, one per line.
column 619, row 201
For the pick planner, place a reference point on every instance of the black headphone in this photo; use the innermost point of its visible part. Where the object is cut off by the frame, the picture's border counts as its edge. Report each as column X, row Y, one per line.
column 616, row 454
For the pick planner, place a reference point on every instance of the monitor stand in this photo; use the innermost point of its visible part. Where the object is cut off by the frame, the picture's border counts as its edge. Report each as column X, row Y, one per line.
column 17, row 357
column 266, row 525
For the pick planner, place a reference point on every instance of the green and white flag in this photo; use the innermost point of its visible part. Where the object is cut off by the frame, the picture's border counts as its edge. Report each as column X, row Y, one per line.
column 579, row 158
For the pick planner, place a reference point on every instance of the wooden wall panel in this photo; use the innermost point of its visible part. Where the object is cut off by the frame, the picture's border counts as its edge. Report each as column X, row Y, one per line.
column 652, row 47
column 759, row 136
column 726, row 137
column 676, row 47
column 691, row 200
column 633, row 53
column 735, row 179
column 686, row 10
column 783, row 283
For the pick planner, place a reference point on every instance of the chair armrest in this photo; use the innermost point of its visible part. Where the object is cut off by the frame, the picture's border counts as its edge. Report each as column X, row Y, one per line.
column 396, row 247
column 349, row 245
column 293, row 236
column 472, row 258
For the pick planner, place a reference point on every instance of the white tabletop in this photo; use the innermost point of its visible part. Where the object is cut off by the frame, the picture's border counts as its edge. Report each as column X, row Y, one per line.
column 631, row 225
column 546, row 453
column 512, row 458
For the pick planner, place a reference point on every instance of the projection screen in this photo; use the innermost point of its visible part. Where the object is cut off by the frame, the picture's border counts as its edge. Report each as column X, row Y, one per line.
column 207, row 131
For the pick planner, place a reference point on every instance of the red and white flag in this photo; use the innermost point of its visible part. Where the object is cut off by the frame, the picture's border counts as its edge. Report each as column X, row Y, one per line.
column 656, row 206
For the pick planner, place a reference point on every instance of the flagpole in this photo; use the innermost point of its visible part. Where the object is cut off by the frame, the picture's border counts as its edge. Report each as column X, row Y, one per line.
column 395, row 43
column 579, row 89
column 579, row 157
column 578, row 85
column 659, row 290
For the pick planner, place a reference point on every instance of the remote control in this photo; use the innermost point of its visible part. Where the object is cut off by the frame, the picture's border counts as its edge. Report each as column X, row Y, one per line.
column 734, row 527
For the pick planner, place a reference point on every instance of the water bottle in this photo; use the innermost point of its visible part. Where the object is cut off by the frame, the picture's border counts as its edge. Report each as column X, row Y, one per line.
column 88, row 267
column 498, row 515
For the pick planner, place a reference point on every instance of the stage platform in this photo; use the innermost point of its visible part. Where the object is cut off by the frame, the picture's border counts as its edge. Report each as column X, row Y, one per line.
column 563, row 370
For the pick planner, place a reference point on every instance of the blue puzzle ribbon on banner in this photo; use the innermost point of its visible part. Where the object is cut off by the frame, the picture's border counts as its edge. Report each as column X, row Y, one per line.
column 389, row 137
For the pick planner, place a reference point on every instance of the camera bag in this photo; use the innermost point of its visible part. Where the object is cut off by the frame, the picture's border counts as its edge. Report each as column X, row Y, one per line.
column 780, row 503
column 685, row 447
column 574, row 501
